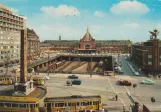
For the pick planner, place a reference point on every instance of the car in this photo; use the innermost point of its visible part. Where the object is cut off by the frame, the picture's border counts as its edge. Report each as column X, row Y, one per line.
column 69, row 83
column 72, row 77
column 123, row 83
column 46, row 77
column 147, row 81
column 76, row 82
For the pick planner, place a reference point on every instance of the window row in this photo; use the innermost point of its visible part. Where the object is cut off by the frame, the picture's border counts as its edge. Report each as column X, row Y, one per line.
column 18, row 105
column 73, row 104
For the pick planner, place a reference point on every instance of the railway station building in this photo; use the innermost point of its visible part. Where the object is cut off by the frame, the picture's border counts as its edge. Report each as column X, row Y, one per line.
column 87, row 44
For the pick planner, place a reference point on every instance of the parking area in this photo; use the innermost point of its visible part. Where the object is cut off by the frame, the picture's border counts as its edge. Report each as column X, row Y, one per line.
column 95, row 85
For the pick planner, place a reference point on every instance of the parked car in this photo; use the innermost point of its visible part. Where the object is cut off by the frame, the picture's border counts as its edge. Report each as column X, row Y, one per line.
column 76, row 82
column 147, row 81
column 46, row 77
column 72, row 77
column 69, row 83
column 123, row 83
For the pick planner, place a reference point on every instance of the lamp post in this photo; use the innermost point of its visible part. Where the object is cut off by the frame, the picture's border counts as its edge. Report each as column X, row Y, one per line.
column 48, row 63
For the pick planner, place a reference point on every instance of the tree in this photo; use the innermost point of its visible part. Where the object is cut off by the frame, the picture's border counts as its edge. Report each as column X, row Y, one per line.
column 134, row 86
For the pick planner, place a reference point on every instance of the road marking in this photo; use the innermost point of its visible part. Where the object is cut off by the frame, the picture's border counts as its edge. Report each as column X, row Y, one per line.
column 117, row 92
column 132, row 96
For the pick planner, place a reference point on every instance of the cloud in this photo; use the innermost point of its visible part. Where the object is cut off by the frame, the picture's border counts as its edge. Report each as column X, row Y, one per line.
column 15, row 10
column 61, row 10
column 129, row 8
column 131, row 25
column 99, row 14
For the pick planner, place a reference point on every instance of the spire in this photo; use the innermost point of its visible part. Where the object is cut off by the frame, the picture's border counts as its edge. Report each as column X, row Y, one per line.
column 87, row 28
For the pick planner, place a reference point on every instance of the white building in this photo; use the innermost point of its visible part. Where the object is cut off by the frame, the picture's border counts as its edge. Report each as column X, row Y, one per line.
column 10, row 26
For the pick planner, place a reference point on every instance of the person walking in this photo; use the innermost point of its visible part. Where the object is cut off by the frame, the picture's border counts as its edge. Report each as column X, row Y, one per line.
column 116, row 97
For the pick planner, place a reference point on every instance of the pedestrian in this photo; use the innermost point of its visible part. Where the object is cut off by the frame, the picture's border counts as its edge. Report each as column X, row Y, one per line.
column 123, row 108
column 116, row 97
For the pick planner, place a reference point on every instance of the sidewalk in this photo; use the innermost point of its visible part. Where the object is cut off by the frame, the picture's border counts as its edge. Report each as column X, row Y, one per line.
column 137, row 68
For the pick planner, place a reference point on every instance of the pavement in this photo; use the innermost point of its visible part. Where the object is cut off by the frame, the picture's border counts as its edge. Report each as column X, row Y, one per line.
column 96, row 85
column 142, row 93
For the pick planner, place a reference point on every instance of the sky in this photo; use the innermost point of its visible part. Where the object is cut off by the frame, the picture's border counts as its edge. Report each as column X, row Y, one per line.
column 106, row 19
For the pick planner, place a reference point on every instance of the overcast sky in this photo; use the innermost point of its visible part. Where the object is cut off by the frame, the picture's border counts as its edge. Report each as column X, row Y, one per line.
column 106, row 19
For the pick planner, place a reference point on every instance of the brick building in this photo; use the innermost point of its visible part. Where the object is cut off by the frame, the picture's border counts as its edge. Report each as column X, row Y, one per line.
column 87, row 44
column 33, row 44
column 148, row 54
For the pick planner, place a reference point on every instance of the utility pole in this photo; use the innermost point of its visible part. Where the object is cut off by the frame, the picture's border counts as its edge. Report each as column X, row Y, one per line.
column 48, row 63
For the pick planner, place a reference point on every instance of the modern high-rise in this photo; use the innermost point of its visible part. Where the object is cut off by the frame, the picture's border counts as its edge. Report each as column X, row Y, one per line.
column 10, row 26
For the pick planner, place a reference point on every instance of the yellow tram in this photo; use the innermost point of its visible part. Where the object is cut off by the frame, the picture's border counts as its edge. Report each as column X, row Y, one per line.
column 18, row 104
column 73, row 103
column 37, row 79
column 6, row 80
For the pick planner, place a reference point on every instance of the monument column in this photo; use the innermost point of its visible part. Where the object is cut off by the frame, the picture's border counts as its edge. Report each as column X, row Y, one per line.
column 23, row 56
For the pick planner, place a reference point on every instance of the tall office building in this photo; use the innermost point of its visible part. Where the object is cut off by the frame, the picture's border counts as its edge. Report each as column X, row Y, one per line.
column 10, row 26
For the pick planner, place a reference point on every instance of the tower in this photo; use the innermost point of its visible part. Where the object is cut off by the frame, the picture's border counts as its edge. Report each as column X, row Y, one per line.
column 23, row 87
column 59, row 38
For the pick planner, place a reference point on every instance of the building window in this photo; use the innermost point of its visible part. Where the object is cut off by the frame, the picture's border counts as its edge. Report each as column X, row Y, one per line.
column 149, row 63
column 149, row 56
column 160, row 63
column 160, row 57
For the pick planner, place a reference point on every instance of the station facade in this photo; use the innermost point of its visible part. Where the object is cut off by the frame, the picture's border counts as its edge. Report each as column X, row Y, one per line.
column 87, row 44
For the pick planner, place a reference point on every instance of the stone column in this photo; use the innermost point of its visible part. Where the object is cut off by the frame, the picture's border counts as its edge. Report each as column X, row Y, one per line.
column 23, row 56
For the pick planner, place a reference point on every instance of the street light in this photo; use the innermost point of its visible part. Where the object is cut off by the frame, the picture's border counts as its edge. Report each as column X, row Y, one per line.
column 48, row 63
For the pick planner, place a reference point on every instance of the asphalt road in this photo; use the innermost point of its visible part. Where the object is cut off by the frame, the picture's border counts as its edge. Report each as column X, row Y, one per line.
column 142, row 92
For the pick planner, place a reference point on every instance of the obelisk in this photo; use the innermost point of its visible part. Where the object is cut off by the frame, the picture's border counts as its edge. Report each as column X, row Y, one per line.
column 23, row 87
column 23, row 57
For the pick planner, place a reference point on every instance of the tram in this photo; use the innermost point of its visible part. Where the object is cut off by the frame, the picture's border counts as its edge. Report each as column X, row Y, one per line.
column 19, row 104
column 37, row 79
column 6, row 80
column 73, row 103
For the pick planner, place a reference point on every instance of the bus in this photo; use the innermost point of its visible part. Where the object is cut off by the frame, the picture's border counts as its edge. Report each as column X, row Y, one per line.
column 73, row 103
column 37, row 79
column 6, row 80
column 18, row 104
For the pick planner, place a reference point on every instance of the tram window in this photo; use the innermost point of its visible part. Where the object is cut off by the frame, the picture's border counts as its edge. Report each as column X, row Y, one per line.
column 95, row 102
column 31, row 105
column 69, row 104
column 45, row 104
column 22, row 105
column 14, row 105
column 60, row 104
column 56, row 104
column 1, row 104
column 85, row 103
column 7, row 78
column 0, row 79
column 37, row 105
column 52, row 104
column 77, row 103
column 90, row 103
column 7, row 104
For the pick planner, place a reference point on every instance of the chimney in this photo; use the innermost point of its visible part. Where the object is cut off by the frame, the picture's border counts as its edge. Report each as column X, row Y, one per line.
column 59, row 37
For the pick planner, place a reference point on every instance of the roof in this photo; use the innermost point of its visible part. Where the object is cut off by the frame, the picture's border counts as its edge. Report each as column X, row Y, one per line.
column 18, row 99
column 153, row 107
column 73, row 42
column 31, row 33
column 74, row 97
column 87, row 36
